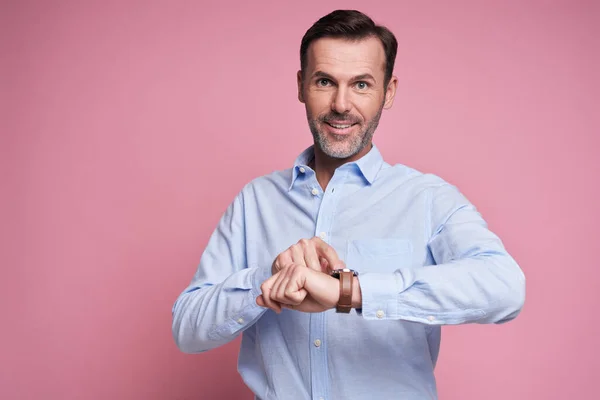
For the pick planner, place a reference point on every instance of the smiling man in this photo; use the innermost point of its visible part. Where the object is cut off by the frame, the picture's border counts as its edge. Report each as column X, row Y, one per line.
column 343, row 109
column 340, row 271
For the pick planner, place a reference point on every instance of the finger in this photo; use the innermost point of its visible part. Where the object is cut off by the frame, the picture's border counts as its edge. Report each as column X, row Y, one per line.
column 296, row 299
column 260, row 300
column 324, row 264
column 311, row 258
column 278, row 294
column 297, row 254
column 283, row 260
column 274, row 282
column 266, row 294
column 293, row 295
column 294, row 291
column 287, row 285
column 328, row 253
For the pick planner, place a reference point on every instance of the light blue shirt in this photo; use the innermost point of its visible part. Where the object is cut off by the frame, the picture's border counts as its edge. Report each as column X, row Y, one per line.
column 424, row 255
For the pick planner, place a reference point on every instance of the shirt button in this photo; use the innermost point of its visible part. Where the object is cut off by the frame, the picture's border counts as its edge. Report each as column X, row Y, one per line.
column 240, row 320
column 431, row 318
column 323, row 235
column 379, row 314
column 317, row 343
column 314, row 192
column 302, row 170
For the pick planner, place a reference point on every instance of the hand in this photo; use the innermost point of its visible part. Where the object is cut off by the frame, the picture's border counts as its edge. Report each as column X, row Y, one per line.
column 312, row 253
column 299, row 288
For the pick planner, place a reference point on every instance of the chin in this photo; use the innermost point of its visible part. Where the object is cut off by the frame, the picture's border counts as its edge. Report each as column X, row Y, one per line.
column 340, row 153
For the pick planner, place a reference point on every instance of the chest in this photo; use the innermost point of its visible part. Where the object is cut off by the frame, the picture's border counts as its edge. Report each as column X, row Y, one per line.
column 371, row 228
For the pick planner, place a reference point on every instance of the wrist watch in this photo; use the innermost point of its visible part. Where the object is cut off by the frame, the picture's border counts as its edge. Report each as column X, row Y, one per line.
column 346, row 277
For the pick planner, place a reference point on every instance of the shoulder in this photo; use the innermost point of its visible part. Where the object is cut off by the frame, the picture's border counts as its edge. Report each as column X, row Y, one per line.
column 412, row 177
column 435, row 190
column 276, row 181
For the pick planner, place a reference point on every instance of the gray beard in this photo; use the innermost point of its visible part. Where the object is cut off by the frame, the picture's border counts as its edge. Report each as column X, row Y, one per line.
column 357, row 143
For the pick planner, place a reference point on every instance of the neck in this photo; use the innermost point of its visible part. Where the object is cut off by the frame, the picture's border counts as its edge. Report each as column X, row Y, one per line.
column 325, row 165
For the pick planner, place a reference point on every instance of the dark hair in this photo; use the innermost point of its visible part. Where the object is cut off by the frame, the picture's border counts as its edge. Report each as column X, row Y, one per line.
column 350, row 25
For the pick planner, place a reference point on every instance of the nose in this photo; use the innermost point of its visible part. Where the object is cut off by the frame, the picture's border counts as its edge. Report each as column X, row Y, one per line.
column 340, row 103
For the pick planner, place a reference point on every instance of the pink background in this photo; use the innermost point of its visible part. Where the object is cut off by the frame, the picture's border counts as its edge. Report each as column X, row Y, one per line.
column 128, row 127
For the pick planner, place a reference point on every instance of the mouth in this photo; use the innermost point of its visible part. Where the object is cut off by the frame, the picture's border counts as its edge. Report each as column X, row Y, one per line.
column 340, row 128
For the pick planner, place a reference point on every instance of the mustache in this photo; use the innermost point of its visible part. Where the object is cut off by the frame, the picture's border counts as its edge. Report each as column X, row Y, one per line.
column 339, row 118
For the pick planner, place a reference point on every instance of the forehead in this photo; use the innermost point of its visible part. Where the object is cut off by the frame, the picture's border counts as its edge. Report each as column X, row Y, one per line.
column 342, row 57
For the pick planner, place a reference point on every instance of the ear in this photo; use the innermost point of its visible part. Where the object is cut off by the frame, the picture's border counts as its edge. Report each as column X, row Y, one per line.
column 390, row 92
column 299, row 79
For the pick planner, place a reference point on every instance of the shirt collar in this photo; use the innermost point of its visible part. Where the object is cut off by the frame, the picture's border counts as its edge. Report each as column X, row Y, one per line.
column 368, row 165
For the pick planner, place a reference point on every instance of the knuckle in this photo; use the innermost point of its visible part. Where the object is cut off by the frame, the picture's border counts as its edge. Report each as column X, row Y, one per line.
column 291, row 298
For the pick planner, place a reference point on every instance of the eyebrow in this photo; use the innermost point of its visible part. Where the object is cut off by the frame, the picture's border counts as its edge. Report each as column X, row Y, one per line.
column 321, row 74
column 363, row 77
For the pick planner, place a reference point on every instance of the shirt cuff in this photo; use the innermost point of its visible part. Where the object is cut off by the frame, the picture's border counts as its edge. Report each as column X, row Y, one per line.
column 257, row 277
column 379, row 292
column 248, row 314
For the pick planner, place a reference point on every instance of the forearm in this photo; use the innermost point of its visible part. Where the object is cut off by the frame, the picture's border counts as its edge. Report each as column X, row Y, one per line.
column 473, row 278
column 481, row 289
column 211, row 315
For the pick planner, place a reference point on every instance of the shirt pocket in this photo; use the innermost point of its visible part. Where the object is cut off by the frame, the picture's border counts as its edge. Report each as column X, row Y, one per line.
column 379, row 255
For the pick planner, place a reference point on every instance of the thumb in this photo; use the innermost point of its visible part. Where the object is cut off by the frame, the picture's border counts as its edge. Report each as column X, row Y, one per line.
column 338, row 265
column 324, row 264
column 327, row 268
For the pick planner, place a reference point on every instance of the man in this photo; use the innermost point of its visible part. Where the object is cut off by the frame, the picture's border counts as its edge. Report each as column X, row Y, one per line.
column 343, row 230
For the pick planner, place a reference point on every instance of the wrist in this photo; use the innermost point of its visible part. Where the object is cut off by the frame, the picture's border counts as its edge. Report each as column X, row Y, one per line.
column 349, row 295
column 356, row 294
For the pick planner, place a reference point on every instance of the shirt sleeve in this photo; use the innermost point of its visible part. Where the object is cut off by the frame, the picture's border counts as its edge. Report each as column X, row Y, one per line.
column 474, row 279
column 220, row 302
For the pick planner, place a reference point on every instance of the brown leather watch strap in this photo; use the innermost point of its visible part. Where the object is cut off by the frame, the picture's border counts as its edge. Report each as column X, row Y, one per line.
column 345, row 302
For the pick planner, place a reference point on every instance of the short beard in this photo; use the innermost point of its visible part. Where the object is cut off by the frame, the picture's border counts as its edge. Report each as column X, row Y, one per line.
column 357, row 143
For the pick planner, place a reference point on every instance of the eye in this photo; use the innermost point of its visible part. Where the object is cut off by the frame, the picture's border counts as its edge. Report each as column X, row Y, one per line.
column 322, row 82
column 362, row 85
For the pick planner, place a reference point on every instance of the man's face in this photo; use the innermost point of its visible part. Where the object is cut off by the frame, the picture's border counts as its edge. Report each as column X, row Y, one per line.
column 344, row 94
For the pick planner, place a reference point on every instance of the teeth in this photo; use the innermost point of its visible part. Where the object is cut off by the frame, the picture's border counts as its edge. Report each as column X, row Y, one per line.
column 340, row 126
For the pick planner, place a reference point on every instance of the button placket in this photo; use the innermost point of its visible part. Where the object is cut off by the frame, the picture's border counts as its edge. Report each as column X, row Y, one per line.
column 318, row 351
